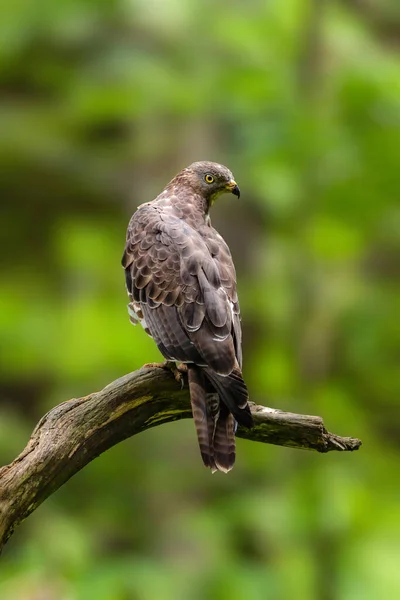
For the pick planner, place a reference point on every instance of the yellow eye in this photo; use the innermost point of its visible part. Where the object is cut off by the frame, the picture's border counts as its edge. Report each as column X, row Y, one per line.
column 209, row 178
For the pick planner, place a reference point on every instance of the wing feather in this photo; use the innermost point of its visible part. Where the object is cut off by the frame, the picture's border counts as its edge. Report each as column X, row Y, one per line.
column 170, row 263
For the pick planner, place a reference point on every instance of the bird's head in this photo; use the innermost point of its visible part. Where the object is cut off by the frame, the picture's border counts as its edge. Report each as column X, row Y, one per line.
column 210, row 180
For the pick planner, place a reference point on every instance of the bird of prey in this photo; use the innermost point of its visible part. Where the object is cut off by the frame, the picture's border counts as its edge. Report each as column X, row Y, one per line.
column 181, row 284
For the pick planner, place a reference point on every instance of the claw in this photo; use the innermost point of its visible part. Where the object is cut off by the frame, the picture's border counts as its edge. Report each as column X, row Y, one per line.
column 179, row 370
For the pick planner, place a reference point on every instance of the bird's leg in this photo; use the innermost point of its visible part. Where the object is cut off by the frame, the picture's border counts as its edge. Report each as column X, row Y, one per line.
column 179, row 370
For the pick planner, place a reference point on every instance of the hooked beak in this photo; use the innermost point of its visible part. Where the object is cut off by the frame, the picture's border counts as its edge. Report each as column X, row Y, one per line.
column 234, row 188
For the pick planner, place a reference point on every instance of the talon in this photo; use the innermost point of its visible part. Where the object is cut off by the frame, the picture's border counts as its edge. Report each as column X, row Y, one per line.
column 180, row 374
column 179, row 370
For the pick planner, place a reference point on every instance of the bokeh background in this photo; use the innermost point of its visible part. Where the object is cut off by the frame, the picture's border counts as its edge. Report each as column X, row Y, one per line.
column 102, row 102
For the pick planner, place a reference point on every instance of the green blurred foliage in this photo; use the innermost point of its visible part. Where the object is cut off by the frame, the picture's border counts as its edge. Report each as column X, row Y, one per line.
column 101, row 104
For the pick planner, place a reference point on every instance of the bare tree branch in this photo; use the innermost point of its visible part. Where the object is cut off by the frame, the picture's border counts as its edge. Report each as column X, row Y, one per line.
column 75, row 432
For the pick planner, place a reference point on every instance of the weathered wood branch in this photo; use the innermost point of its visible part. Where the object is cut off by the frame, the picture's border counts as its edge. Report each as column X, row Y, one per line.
column 75, row 432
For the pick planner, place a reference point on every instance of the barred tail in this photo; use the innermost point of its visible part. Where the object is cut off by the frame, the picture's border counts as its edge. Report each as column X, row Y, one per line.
column 203, row 420
column 215, row 426
column 224, row 440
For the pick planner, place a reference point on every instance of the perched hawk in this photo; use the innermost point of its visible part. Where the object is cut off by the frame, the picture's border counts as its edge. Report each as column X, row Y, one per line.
column 181, row 283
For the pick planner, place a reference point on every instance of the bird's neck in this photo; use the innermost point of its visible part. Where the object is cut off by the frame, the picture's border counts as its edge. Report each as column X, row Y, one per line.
column 192, row 208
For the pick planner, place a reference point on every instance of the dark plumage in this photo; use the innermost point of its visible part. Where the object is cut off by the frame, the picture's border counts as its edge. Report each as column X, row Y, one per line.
column 181, row 283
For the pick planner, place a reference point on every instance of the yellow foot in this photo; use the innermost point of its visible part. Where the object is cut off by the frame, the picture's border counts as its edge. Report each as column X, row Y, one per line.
column 179, row 371
column 160, row 365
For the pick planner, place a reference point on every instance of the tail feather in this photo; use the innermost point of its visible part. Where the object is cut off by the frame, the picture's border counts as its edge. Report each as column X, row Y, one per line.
column 215, row 414
column 233, row 392
column 215, row 425
column 224, row 440
column 203, row 419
